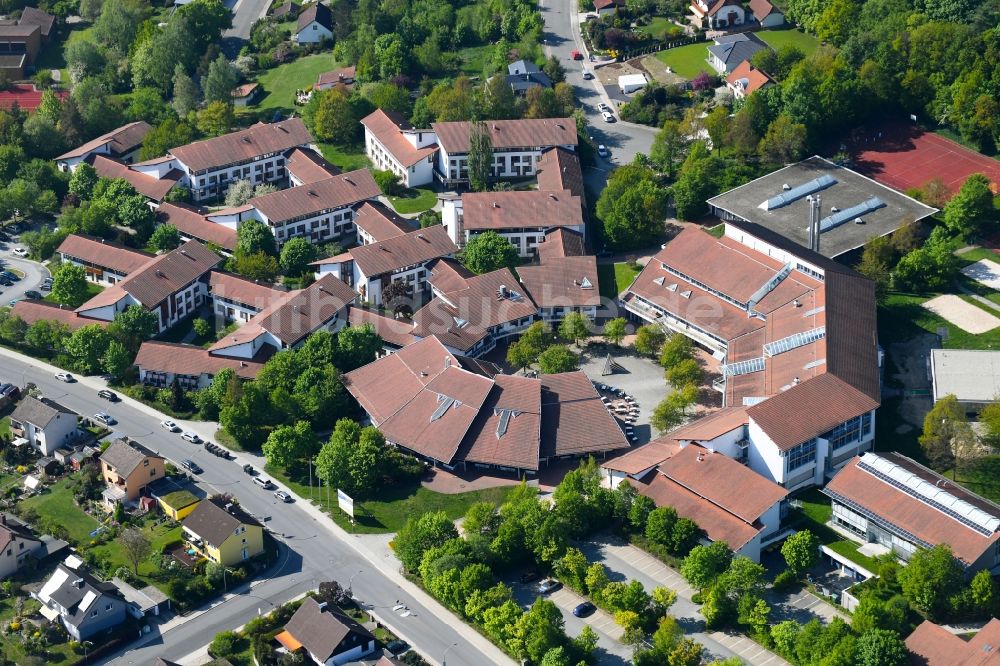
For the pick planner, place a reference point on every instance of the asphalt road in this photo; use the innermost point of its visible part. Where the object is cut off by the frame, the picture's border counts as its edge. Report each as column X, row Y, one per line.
column 314, row 553
column 245, row 14
column 562, row 36
column 34, row 273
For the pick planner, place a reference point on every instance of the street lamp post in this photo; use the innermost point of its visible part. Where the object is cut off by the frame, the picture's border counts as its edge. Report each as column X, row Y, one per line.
column 350, row 584
column 446, row 651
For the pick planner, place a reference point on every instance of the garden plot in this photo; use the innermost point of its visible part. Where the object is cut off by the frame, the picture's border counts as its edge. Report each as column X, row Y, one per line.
column 984, row 272
column 964, row 315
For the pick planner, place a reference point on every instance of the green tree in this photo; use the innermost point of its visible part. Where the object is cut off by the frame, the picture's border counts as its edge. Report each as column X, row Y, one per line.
column 134, row 325
column 574, row 326
column 365, row 464
column 287, row 444
column 219, row 83
column 117, row 360
column 649, row 340
column 215, row 119
column 556, row 359
column 676, row 349
column 942, row 424
column 165, row 238
column 801, row 551
column 46, row 335
column 296, row 256
column 86, row 347
column 69, row 285
column 684, row 373
column 784, row 141
column 880, row 647
column 632, row 207
column 357, row 346
column 487, row 252
column 984, row 592
column 168, row 134
column 616, row 330
column 660, row 525
column 254, row 236
column 930, row 579
column 83, row 180
column 480, row 160
column 420, row 534
column 538, row 631
column 969, row 211
column 704, row 564
column 186, row 95
column 333, row 461
column 334, row 118
column 668, row 147
column 667, row 415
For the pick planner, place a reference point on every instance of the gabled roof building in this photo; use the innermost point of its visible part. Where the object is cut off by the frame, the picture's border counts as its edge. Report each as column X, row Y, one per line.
column 83, row 604
column 121, row 144
column 103, row 261
column 327, row 634
column 932, row 645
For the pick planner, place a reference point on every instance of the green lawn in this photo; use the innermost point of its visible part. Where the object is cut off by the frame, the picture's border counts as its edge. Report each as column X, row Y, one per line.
column 658, row 26
column 394, row 505
column 158, row 535
column 347, row 158
column 474, row 59
column 414, row 201
column 687, row 61
column 717, row 231
column 814, row 515
column 778, row 38
column 93, row 289
column 51, row 57
column 902, row 317
column 978, row 254
column 281, row 82
column 615, row 278
column 57, row 506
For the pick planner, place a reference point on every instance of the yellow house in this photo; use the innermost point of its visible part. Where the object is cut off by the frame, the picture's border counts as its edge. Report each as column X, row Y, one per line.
column 178, row 504
column 223, row 532
column 127, row 467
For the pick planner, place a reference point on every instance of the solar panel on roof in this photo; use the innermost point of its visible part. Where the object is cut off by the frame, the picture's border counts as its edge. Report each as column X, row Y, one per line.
column 843, row 216
column 796, row 193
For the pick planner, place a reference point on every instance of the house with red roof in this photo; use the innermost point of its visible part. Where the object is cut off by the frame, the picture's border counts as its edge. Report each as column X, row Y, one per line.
column 393, row 144
column 718, row 14
column 26, row 95
column 932, row 645
column 746, row 80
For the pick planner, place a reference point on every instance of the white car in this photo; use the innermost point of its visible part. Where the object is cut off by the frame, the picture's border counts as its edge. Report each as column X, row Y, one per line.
column 603, row 107
column 65, row 377
column 283, row 496
column 170, row 426
column 191, row 437
column 603, row 151
column 19, row 252
column 105, row 418
column 608, row 118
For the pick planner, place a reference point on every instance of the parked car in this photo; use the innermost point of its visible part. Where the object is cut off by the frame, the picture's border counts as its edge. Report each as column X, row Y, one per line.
column 397, row 647
column 608, row 118
column 283, row 496
column 587, row 74
column 19, row 252
column 32, row 294
column 110, row 396
column 105, row 418
column 191, row 437
column 45, row 286
column 191, row 466
column 13, row 302
column 548, row 585
column 601, row 106
column 603, row 151
column 4, row 282
column 529, row 576
column 576, row 55
column 65, row 377
column 170, row 426
column 263, row 483
column 249, row 469
column 584, row 609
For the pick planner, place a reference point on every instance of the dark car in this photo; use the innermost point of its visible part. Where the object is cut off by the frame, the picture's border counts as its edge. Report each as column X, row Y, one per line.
column 248, row 469
column 32, row 294
column 397, row 647
column 584, row 609
column 110, row 396
column 10, row 276
column 191, row 466
column 4, row 282
column 529, row 576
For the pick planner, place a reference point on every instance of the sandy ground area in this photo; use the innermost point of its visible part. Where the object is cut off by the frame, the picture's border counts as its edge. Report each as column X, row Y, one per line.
column 984, row 271
column 658, row 70
column 966, row 316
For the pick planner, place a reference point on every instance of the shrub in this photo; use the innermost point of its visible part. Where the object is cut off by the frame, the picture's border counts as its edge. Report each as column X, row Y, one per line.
column 224, row 644
column 786, row 580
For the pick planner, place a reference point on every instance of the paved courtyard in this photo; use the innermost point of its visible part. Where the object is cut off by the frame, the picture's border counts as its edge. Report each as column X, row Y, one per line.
column 639, row 377
column 966, row 316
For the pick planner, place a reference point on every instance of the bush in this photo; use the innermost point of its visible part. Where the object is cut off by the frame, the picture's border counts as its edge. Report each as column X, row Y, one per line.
column 786, row 580
column 224, row 644
column 388, row 182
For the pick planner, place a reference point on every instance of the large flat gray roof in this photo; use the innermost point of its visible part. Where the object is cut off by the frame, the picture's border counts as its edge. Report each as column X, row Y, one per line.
column 747, row 202
column 971, row 375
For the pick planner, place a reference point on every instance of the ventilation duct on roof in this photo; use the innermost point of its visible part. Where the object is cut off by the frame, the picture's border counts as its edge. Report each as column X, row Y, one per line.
column 843, row 216
column 444, row 405
column 796, row 193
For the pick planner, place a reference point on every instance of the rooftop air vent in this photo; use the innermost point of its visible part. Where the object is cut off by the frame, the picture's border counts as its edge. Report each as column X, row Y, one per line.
column 312, row 193
column 159, row 273
column 858, row 220
column 348, row 181
column 586, row 283
column 834, row 209
column 246, row 139
column 786, row 187
column 496, row 205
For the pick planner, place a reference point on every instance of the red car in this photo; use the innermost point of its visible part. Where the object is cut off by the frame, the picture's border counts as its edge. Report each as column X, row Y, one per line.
column 576, row 55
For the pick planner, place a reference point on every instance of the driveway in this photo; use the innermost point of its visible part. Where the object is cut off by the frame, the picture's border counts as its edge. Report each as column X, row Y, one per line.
column 33, row 271
column 626, row 562
column 245, row 14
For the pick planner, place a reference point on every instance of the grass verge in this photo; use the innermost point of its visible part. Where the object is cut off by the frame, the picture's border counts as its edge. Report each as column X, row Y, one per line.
column 93, row 289
column 687, row 61
column 347, row 158
column 414, row 201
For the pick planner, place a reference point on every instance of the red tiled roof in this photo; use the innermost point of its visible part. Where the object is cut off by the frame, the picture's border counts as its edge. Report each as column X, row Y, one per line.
column 190, row 360
column 560, row 282
column 761, row 9
column 123, row 140
column 387, row 127
column 719, row 4
column 192, row 224
column 574, row 419
column 312, row 198
column 447, row 275
column 527, row 133
column 933, row 645
column 245, row 90
column 559, row 169
column 308, row 167
column 380, row 222
column 26, row 95
column 303, row 312
column 560, row 242
column 644, row 458
column 396, row 332
column 243, row 290
column 520, row 209
column 243, row 145
column 748, row 77
column 96, row 251
column 398, row 252
column 31, row 311
column 604, row 4
column 517, row 444
column 146, row 185
column 343, row 75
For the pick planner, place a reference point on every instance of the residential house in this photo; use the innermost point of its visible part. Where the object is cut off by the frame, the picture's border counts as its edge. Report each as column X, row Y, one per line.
column 560, row 285
column 729, row 51
column 522, row 217
column 31, row 311
column 517, row 146
column 173, row 285
column 83, row 604
column 320, row 211
column 609, row 7
column 766, row 14
column 315, row 24
column 307, row 166
column 718, row 14
column 932, row 645
column 524, row 74
column 19, row 47
column 240, row 299
column 160, row 363
column 44, row 423
column 121, row 144
column 103, row 262
column 223, row 532
column 368, row 269
column 343, row 77
column 393, row 144
column 898, row 505
column 208, row 167
column 377, row 222
column 326, row 634
column 746, row 80
column 128, row 468
column 727, row 500
column 457, row 412
column 177, row 504
column 193, row 224
column 559, row 169
column 285, row 11
column 246, row 94
column 796, row 333
column 34, row 16
column 154, row 189
column 17, row 543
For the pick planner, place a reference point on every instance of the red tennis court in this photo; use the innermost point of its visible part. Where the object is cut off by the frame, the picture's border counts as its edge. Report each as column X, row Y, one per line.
column 904, row 156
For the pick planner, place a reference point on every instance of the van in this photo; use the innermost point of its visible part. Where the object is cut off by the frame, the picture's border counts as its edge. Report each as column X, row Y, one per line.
column 262, row 482
column 587, row 74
